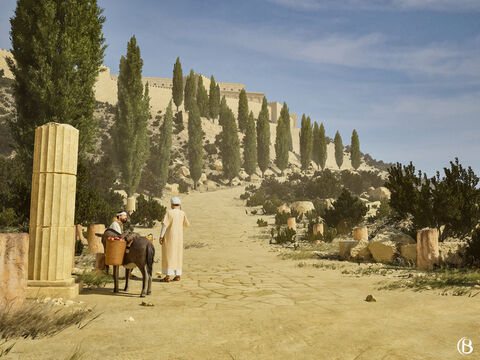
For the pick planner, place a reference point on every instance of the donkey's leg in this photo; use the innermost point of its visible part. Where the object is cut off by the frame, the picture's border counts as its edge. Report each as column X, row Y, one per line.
column 144, row 280
column 115, row 279
column 149, row 289
column 127, row 275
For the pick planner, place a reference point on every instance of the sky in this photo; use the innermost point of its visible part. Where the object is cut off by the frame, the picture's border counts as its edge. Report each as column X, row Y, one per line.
column 404, row 73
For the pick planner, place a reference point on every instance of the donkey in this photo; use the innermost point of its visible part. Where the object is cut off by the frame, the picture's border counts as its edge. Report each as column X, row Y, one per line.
column 141, row 254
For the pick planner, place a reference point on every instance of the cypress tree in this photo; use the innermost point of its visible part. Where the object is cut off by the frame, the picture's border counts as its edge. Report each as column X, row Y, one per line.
column 177, row 83
column 242, row 111
column 223, row 107
column 202, row 98
column 355, row 150
column 250, row 146
column 217, row 92
column 229, row 142
column 133, row 111
column 338, row 150
column 58, row 48
column 190, row 91
column 281, row 143
column 195, row 144
column 165, row 146
column 322, row 154
column 285, row 118
column 316, row 144
column 213, row 103
column 263, row 137
column 306, row 142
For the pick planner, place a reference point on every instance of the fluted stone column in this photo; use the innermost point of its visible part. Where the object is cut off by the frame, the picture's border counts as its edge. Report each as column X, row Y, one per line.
column 52, row 210
column 360, row 232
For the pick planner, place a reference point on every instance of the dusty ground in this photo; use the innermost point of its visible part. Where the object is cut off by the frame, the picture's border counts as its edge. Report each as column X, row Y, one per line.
column 239, row 300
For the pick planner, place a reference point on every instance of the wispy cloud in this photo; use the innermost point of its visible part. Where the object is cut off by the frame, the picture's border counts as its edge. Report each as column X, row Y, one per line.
column 382, row 5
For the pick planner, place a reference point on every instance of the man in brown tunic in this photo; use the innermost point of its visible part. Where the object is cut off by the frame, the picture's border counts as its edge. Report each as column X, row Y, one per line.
column 171, row 239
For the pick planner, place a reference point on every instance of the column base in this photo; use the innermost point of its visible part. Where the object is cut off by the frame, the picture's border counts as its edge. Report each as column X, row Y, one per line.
column 66, row 289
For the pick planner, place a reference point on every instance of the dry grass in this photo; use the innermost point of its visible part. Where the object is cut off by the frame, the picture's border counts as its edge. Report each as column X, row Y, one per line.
column 95, row 278
column 36, row 319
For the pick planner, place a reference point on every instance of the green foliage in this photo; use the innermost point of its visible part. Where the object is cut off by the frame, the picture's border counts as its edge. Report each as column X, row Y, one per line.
column 177, row 83
column 14, row 194
column 94, row 279
column 183, row 186
column 322, row 148
column 329, row 234
column 148, row 211
column 309, row 235
column 355, row 150
column 96, row 202
column 316, row 144
column 282, row 217
column 229, row 143
column 348, row 211
column 213, row 99
column 250, row 146
column 133, row 111
column 210, row 149
column 262, row 223
column 271, row 205
column 190, row 91
column 202, row 98
column 2, row 73
column 432, row 202
column 58, row 48
column 195, row 144
column 242, row 111
column 178, row 123
column 338, row 150
column 473, row 248
column 283, row 235
column 306, row 142
column 263, row 137
column 281, row 143
column 361, row 181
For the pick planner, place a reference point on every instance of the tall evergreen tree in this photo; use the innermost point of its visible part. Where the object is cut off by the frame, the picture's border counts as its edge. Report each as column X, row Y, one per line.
column 338, row 150
column 322, row 154
column 281, row 144
column 213, row 103
column 242, row 111
column 306, row 142
column 58, row 48
column 202, row 98
column 217, row 93
column 229, row 143
column 190, row 91
column 165, row 146
column 177, row 83
column 133, row 111
column 316, row 145
column 263, row 137
column 195, row 144
column 285, row 118
column 355, row 150
column 250, row 146
column 223, row 107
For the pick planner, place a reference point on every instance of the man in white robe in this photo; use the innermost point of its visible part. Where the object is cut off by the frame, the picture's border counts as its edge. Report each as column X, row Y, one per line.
column 117, row 224
column 171, row 239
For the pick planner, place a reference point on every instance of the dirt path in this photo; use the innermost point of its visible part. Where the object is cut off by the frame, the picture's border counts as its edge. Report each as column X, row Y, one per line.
column 239, row 300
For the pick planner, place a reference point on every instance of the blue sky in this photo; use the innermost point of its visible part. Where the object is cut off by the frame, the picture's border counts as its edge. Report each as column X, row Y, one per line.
column 404, row 73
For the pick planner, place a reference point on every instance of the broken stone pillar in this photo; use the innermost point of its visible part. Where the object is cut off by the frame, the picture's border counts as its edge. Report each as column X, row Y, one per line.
column 317, row 228
column 95, row 245
column 427, row 249
column 79, row 229
column 292, row 223
column 13, row 269
column 360, row 232
column 131, row 205
column 52, row 210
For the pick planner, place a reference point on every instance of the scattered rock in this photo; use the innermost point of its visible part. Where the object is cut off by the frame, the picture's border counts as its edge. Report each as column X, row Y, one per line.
column 211, row 185
column 144, row 303
column 242, row 175
column 130, row 319
column 302, row 206
column 172, row 188
column 268, row 172
column 255, row 178
column 370, row 298
column 203, row 178
column 476, row 286
column 378, row 194
column 360, row 251
column 409, row 252
column 183, row 171
column 218, row 165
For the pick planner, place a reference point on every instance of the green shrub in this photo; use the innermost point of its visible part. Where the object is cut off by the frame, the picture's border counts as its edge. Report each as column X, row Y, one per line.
column 348, row 211
column 254, row 212
column 473, row 248
column 8, row 218
column 210, row 149
column 283, row 235
column 148, row 211
column 183, row 186
column 309, row 235
column 262, row 223
column 329, row 234
column 270, row 207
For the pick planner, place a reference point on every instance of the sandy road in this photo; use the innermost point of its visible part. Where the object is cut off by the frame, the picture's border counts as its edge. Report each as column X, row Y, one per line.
column 239, row 300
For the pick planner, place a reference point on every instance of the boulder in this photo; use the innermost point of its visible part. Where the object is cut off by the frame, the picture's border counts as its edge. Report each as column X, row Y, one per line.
column 236, row 181
column 172, row 188
column 242, row 175
column 218, row 165
column 452, row 252
column 378, row 194
column 360, row 232
column 344, row 248
column 203, row 178
column 255, row 178
column 409, row 252
column 394, row 235
column 183, row 171
column 360, row 251
column 383, row 251
column 268, row 172
column 302, row 207
column 211, row 185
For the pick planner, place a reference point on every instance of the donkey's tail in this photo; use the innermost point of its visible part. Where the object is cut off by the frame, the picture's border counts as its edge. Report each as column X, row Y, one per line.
column 150, row 258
